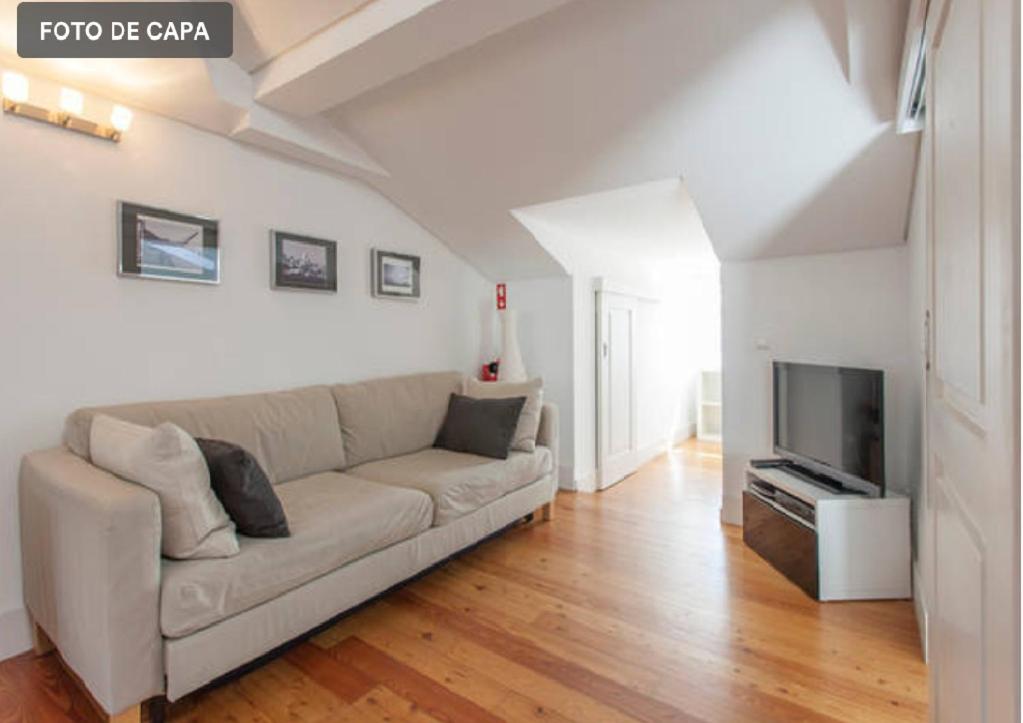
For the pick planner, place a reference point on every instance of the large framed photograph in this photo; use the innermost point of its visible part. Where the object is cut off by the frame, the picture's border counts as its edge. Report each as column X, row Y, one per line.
column 154, row 243
column 395, row 276
column 302, row 262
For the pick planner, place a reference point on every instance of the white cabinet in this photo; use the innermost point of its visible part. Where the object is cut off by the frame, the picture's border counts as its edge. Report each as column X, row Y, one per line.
column 834, row 546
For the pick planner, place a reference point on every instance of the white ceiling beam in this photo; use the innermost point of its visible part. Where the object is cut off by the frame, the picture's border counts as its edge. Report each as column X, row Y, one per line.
column 385, row 40
column 312, row 140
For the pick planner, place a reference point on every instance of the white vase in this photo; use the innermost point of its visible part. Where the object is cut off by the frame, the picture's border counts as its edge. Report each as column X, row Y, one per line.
column 511, row 368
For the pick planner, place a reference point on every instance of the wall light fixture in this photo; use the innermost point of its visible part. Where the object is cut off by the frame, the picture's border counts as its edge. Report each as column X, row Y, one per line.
column 14, row 87
column 72, row 101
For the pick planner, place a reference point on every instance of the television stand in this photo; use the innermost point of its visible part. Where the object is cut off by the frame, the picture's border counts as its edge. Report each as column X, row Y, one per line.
column 808, row 475
column 833, row 545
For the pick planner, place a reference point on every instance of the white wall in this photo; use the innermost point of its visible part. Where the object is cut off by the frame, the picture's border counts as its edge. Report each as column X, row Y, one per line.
column 544, row 308
column 74, row 333
column 845, row 308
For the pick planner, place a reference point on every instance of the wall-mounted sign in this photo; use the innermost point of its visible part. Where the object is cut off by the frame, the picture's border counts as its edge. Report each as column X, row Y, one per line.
column 125, row 29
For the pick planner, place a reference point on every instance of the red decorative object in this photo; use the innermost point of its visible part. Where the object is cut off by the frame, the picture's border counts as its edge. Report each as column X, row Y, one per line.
column 502, row 296
column 489, row 372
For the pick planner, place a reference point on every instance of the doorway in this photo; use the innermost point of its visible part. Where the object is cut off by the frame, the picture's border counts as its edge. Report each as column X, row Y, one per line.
column 617, row 447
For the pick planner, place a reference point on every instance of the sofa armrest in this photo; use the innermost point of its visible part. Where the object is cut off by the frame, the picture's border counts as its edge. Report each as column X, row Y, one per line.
column 90, row 545
column 548, row 435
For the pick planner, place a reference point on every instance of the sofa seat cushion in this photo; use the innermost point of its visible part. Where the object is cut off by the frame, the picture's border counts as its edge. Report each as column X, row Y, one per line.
column 458, row 483
column 334, row 518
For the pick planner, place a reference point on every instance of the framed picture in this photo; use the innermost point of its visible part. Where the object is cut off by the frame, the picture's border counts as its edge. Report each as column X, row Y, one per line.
column 154, row 243
column 395, row 276
column 302, row 262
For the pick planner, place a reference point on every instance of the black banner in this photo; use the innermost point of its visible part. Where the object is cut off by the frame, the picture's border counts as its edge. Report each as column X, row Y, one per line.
column 125, row 29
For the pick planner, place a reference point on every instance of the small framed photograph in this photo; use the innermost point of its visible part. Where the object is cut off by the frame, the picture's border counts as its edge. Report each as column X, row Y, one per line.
column 154, row 243
column 302, row 262
column 395, row 276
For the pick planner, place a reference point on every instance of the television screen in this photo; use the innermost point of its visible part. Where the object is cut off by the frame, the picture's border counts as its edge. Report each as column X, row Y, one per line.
column 831, row 416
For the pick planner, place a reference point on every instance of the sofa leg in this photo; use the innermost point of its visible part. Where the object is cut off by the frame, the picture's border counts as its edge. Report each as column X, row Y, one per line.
column 130, row 715
column 547, row 511
column 157, row 709
column 41, row 642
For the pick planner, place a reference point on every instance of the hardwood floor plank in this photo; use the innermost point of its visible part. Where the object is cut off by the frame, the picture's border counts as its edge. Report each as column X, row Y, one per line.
column 47, row 692
column 748, row 646
column 525, row 652
column 781, row 677
column 224, row 704
column 520, row 690
column 695, row 690
column 283, row 693
column 434, row 699
column 347, row 682
column 383, row 704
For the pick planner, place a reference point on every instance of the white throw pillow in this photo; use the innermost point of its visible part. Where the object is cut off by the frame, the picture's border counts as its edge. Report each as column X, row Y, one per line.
column 524, row 438
column 168, row 461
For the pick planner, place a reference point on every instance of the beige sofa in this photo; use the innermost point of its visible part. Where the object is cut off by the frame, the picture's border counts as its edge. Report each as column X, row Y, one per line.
column 369, row 503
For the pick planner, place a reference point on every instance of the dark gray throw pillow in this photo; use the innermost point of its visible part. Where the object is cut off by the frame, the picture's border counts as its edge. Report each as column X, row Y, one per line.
column 480, row 426
column 243, row 488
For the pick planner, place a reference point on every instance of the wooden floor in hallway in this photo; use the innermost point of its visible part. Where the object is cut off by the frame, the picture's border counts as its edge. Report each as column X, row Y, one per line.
column 632, row 604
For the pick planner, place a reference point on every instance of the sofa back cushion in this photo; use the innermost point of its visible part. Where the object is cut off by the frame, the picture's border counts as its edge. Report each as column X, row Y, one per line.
column 291, row 434
column 397, row 415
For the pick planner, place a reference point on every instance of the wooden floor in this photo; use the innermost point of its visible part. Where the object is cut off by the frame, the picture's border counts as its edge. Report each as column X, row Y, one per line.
column 633, row 604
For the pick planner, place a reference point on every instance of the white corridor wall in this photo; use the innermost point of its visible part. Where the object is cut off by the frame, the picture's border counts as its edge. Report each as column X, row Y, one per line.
column 678, row 333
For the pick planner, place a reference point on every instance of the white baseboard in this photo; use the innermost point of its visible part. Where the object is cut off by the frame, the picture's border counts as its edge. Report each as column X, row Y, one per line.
column 684, row 433
column 731, row 510
column 920, row 605
column 15, row 636
column 647, row 453
column 587, row 483
column 566, row 480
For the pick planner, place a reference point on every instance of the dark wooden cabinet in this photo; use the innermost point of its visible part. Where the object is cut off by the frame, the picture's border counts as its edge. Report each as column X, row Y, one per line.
column 789, row 546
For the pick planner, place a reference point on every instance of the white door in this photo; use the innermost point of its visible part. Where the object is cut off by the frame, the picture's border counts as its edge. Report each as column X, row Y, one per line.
column 616, row 387
column 973, row 483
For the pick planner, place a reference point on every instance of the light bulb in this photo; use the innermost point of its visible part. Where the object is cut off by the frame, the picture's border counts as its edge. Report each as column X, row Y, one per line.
column 71, row 101
column 15, row 87
column 120, row 118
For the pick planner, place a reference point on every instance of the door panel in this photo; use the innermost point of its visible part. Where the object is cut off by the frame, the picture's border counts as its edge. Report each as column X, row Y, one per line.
column 959, row 642
column 617, row 453
column 972, row 412
column 958, row 340
column 619, row 376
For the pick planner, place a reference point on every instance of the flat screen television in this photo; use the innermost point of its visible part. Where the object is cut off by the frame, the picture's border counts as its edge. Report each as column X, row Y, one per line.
column 830, row 420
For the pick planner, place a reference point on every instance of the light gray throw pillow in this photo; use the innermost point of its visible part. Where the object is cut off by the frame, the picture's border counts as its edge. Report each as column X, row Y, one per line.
column 168, row 461
column 524, row 439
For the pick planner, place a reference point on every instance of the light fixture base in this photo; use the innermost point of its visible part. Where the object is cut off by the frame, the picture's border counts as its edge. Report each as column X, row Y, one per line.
column 61, row 120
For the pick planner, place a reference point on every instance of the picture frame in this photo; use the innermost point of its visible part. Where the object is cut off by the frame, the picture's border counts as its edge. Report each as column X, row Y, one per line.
column 302, row 262
column 395, row 275
column 155, row 243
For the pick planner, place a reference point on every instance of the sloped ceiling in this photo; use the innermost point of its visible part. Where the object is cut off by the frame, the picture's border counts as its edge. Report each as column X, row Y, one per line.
column 657, row 222
column 777, row 113
column 267, row 28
